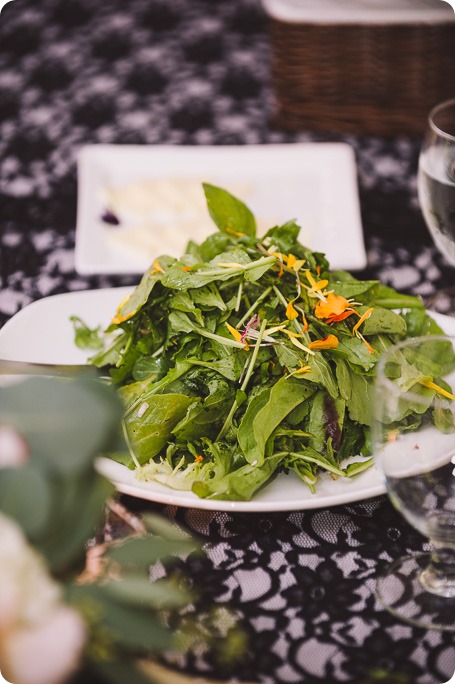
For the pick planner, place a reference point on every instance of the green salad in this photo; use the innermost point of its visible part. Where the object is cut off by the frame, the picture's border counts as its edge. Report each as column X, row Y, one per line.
column 248, row 357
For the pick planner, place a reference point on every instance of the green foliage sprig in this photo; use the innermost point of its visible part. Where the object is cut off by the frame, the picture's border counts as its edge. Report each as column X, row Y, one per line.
column 51, row 432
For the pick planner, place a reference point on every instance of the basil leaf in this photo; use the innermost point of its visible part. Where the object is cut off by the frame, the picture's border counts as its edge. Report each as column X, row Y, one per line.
column 229, row 213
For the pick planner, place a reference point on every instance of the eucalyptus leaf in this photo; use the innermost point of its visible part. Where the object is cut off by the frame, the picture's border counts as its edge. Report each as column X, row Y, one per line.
column 137, row 630
column 136, row 589
column 48, row 413
column 26, row 496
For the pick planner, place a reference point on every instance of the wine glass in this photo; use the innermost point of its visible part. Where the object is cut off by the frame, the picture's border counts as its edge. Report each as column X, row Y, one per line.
column 436, row 189
column 413, row 430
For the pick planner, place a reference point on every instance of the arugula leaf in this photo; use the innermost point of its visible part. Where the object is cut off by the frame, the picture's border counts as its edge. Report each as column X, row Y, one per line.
column 85, row 337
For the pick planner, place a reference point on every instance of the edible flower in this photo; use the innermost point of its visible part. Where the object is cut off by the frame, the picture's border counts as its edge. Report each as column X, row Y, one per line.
column 356, row 332
column 333, row 307
column 302, row 369
column 252, row 324
column 329, row 342
column 293, row 337
column 429, row 384
column 236, row 334
column 306, row 325
column 120, row 318
column 291, row 313
column 341, row 316
column 157, row 268
column 316, row 287
column 235, row 233
column 294, row 263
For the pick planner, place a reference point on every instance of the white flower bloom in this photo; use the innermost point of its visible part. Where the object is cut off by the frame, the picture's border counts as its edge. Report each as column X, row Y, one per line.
column 40, row 638
column 47, row 652
column 14, row 451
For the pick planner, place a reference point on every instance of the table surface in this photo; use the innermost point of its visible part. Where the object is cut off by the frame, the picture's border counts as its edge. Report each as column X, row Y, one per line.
column 75, row 72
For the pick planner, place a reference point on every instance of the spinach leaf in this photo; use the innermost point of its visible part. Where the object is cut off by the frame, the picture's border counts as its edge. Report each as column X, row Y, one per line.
column 266, row 412
column 149, row 426
column 240, row 484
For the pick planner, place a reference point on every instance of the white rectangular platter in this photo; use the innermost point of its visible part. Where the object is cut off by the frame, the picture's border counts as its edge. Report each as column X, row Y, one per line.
column 155, row 192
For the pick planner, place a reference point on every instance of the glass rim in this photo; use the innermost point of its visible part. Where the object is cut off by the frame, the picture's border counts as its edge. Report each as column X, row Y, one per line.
column 434, row 111
column 383, row 381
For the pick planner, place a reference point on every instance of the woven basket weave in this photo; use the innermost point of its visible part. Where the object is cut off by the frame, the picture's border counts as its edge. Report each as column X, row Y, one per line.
column 360, row 79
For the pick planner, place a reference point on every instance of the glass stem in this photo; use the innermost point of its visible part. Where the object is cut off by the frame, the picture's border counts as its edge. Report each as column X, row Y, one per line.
column 439, row 577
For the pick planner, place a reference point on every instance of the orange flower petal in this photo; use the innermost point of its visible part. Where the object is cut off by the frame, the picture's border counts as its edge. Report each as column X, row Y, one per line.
column 367, row 344
column 362, row 319
column 306, row 325
column 329, row 342
column 333, row 306
column 340, row 317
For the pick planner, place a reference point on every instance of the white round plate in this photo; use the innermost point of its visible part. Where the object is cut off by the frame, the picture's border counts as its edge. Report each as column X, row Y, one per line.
column 43, row 332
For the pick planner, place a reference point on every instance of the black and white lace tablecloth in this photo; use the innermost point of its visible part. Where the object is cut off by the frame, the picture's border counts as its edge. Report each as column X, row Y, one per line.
column 191, row 72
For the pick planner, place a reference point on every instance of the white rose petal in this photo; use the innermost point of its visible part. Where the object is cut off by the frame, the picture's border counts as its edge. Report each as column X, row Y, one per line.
column 14, row 451
column 27, row 592
column 41, row 638
column 46, row 653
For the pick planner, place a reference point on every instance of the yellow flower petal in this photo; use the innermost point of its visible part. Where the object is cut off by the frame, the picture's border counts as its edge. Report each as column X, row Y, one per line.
column 234, row 332
column 310, row 278
column 291, row 313
column 290, row 333
column 276, row 328
column 291, row 260
column 303, row 369
column 120, row 318
column 293, row 337
column 298, row 265
column 231, row 231
column 157, row 268
column 440, row 390
column 229, row 264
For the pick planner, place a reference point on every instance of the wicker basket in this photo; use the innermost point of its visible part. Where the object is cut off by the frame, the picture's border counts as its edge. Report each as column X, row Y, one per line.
column 375, row 79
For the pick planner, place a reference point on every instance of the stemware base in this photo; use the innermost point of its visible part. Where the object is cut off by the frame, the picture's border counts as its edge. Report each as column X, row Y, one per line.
column 400, row 590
